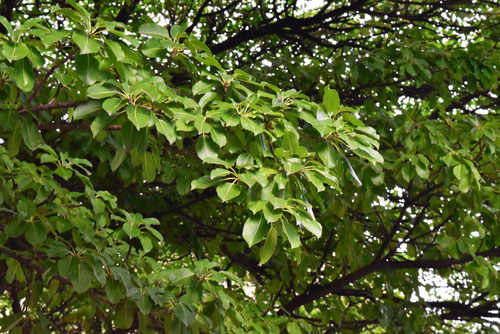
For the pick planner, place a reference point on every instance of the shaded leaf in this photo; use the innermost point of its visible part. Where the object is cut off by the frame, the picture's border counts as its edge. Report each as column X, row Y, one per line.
column 255, row 229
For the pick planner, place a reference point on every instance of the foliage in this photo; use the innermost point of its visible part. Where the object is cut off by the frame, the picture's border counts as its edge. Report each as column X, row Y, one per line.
column 249, row 168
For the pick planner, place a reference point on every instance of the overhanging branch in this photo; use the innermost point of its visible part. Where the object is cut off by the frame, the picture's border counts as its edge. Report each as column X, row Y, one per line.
column 316, row 292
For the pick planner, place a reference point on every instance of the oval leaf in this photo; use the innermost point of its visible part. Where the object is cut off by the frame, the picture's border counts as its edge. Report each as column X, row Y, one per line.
column 139, row 116
column 255, row 229
column 227, row 191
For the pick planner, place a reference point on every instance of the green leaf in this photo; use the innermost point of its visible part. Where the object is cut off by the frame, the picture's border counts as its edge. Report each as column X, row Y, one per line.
column 131, row 229
column 166, row 129
column 218, row 136
column 25, row 208
column 86, row 109
column 101, row 91
column 120, row 155
column 267, row 251
column 147, row 244
column 291, row 142
column 14, row 141
column 462, row 174
column 155, row 233
column 331, row 101
column 324, row 127
column 369, row 154
column 200, row 46
column 219, row 172
column 310, row 224
column 31, row 135
column 206, row 99
column 87, row 68
column 185, row 314
column 35, row 57
column 255, row 229
column 202, row 87
column 9, row 119
column 86, row 43
column 35, row 233
column 227, row 191
column 327, row 154
column 206, row 148
column 25, row 77
column 314, row 179
column 81, row 276
column 83, row 12
column 153, row 30
column 148, row 167
column 180, row 276
column 116, row 49
column 244, row 160
column 144, row 303
column 352, row 119
column 10, row 322
column 292, row 165
column 113, row 105
column 65, row 173
column 139, row 116
column 203, row 182
column 155, row 47
column 7, row 25
column 14, row 51
column 177, row 30
column 248, row 178
column 100, row 123
column 202, row 125
column 56, row 248
column 53, row 36
column 250, row 125
column 291, row 233
column 124, row 316
column 293, row 328
column 460, row 171
column 114, row 290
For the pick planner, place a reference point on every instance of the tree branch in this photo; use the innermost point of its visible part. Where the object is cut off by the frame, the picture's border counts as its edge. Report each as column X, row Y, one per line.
column 124, row 14
column 50, row 106
column 278, row 26
column 319, row 291
column 51, row 70
column 72, row 126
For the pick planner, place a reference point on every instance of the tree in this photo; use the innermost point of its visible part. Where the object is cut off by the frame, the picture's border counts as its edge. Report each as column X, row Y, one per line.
column 210, row 166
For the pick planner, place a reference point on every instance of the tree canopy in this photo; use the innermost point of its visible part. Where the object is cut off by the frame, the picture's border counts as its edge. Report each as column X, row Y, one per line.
column 249, row 166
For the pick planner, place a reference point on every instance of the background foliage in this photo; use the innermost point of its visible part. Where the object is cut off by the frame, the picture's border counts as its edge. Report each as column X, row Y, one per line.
column 209, row 166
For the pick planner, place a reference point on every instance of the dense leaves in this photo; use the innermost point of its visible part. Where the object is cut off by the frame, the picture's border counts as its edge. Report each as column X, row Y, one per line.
column 249, row 167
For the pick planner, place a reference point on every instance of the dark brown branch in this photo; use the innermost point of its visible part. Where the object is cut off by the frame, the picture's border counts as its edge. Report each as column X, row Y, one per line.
column 72, row 126
column 246, row 262
column 319, row 291
column 55, row 105
column 51, row 70
column 125, row 12
column 6, row 9
column 209, row 193
column 282, row 24
column 198, row 16
column 436, row 264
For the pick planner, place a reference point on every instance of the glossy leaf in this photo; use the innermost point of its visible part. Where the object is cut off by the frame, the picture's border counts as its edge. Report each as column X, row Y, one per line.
column 86, row 43
column 25, row 78
column 86, row 109
column 206, row 148
column 267, row 251
column 139, row 116
column 228, row 190
column 255, row 229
